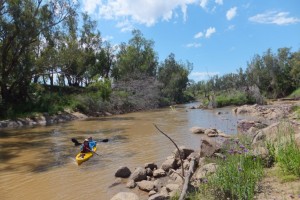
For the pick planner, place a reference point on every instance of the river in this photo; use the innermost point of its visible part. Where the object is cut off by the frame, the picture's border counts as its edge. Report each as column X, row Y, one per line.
column 38, row 163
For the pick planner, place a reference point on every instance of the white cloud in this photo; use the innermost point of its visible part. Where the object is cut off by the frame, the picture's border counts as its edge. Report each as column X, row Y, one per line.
column 231, row 13
column 193, row 45
column 220, row 2
column 210, row 31
column 147, row 12
column 90, row 6
column 207, row 33
column 203, row 3
column 230, row 28
column 274, row 17
column 198, row 76
column 199, row 35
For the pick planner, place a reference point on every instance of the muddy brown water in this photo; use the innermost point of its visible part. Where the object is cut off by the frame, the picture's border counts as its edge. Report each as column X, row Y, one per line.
column 39, row 162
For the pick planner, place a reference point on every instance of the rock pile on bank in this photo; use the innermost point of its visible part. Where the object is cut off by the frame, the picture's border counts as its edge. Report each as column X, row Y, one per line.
column 164, row 181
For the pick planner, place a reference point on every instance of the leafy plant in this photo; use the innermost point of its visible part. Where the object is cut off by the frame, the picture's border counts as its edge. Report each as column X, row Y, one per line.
column 288, row 156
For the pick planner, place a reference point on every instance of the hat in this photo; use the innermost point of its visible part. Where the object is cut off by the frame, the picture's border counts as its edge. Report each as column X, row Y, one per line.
column 86, row 140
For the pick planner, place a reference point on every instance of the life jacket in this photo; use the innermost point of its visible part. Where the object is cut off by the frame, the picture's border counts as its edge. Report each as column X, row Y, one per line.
column 85, row 148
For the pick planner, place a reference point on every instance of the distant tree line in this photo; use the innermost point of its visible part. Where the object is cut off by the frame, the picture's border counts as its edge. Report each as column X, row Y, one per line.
column 44, row 50
column 271, row 75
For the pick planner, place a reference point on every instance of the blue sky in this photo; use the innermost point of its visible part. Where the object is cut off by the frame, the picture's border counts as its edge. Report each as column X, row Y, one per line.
column 217, row 36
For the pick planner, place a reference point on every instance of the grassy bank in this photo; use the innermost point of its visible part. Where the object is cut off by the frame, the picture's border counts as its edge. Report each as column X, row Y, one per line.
column 240, row 172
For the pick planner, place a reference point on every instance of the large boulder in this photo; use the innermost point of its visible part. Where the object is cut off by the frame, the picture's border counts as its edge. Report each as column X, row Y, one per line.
column 125, row 196
column 168, row 164
column 146, row 185
column 159, row 173
column 139, row 174
column 185, row 152
column 123, row 172
column 208, row 147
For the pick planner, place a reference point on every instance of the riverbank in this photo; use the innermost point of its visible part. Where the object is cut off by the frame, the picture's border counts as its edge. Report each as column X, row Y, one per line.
column 42, row 119
column 273, row 122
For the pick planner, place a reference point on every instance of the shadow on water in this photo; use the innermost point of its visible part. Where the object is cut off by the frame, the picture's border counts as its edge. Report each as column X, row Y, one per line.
column 111, row 119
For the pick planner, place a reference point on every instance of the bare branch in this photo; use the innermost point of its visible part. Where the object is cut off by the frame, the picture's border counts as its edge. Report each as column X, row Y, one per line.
column 175, row 146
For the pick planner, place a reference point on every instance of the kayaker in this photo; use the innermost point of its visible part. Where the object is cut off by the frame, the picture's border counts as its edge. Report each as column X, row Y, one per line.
column 92, row 143
column 85, row 146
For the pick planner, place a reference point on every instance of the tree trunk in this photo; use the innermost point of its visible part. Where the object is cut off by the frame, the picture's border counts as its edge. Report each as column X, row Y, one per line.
column 187, row 179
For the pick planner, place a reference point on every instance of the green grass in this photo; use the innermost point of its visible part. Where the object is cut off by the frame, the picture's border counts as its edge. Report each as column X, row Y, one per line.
column 233, row 98
column 295, row 94
column 236, row 177
column 288, row 156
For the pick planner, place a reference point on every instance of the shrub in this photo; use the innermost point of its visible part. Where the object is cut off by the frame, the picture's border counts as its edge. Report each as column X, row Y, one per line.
column 233, row 98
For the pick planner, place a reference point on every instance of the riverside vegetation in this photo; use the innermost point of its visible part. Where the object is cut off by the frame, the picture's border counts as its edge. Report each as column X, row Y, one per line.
column 50, row 63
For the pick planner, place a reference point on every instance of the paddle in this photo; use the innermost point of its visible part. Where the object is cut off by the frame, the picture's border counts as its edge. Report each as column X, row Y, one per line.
column 93, row 152
column 76, row 143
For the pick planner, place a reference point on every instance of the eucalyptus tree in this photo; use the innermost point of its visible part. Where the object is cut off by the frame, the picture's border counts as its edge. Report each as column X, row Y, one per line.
column 174, row 78
column 22, row 25
column 136, row 57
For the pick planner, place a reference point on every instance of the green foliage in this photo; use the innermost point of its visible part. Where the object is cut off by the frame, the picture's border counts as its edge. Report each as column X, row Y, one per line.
column 237, row 174
column 101, row 89
column 136, row 57
column 237, row 177
column 288, row 156
column 174, row 78
column 233, row 98
column 295, row 94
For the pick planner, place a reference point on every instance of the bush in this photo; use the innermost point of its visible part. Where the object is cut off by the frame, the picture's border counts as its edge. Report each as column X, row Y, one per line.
column 233, row 98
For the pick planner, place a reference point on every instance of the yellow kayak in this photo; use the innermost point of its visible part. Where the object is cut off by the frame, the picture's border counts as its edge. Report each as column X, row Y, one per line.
column 81, row 157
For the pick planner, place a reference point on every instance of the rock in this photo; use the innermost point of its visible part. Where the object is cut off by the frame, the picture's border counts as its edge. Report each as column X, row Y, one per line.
column 172, row 187
column 131, row 184
column 194, row 155
column 224, row 135
column 149, row 172
column 152, row 192
column 243, row 126
column 139, row 174
column 158, row 197
column 168, row 164
column 146, row 185
column 152, row 166
column 159, row 173
column 208, row 147
column 125, row 196
column 158, row 184
column 210, row 131
column 123, row 172
column 197, row 130
column 206, row 170
column 185, row 152
column 117, row 181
